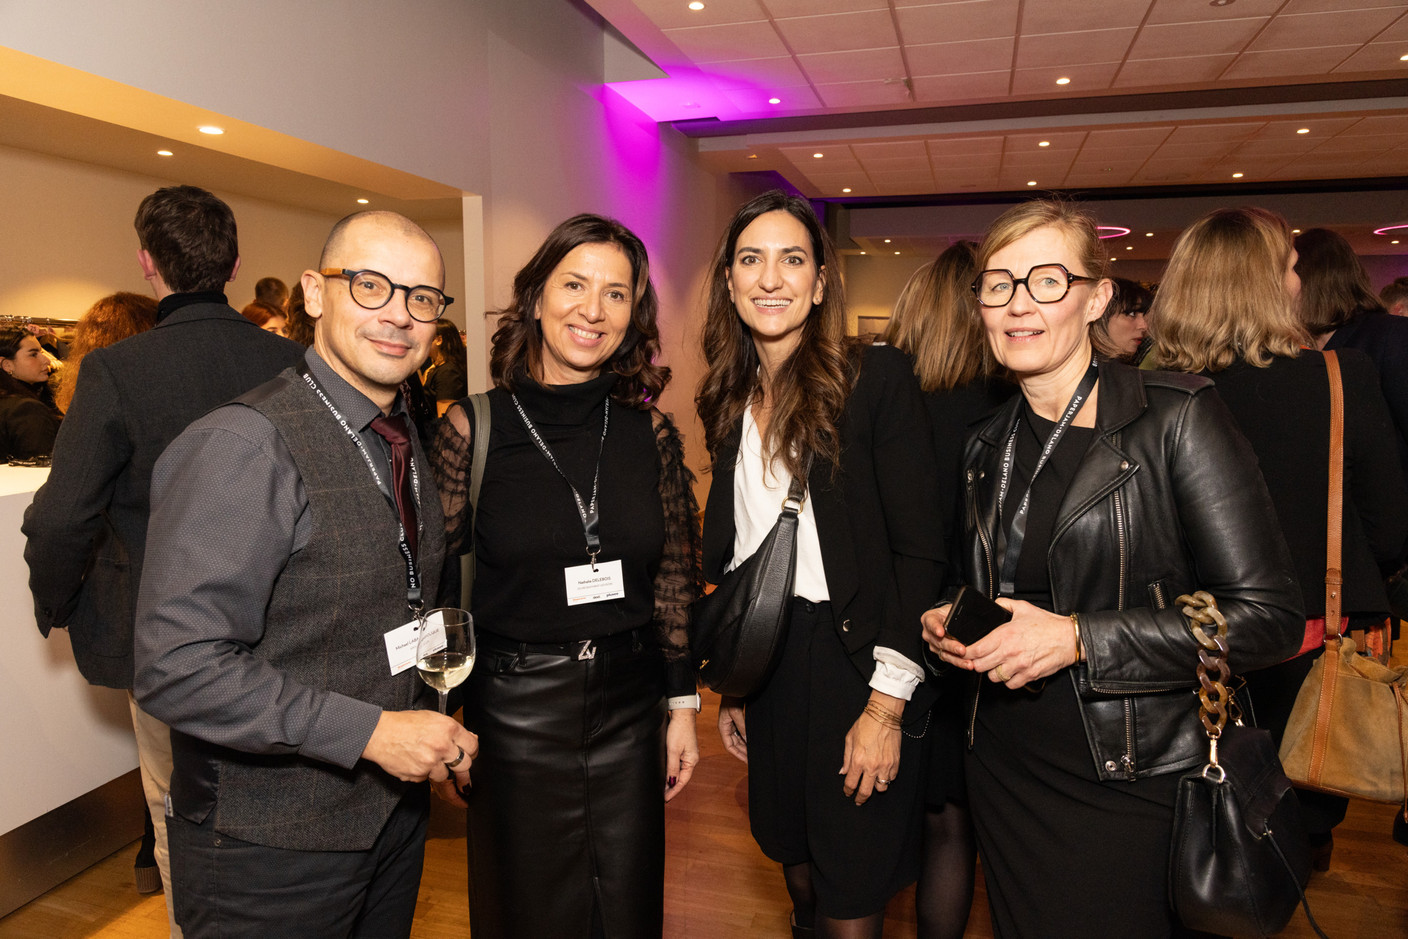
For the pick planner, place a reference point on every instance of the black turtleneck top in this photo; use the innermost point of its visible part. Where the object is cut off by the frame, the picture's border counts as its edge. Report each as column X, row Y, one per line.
column 527, row 530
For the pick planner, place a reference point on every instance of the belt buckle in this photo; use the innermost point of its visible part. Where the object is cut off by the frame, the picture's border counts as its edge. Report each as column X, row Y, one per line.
column 587, row 652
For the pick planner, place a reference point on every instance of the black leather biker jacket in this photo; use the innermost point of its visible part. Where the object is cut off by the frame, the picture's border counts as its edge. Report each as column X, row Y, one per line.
column 1167, row 500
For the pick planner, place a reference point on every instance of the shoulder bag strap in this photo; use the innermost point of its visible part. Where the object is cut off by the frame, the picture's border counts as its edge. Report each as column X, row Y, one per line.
column 479, row 404
column 1334, row 520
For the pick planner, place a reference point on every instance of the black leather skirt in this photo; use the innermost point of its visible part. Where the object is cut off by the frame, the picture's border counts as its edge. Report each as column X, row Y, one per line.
column 566, row 816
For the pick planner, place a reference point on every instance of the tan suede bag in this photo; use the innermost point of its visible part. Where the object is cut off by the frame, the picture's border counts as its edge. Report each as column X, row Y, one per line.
column 1346, row 733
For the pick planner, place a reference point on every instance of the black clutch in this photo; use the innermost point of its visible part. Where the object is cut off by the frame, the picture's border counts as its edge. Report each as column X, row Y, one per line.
column 737, row 631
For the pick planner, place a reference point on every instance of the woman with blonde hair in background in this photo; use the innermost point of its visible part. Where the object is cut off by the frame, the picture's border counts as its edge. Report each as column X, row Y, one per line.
column 1227, row 309
column 935, row 324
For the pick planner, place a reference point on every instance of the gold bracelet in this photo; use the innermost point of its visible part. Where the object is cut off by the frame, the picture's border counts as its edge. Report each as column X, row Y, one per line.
column 1075, row 623
column 882, row 716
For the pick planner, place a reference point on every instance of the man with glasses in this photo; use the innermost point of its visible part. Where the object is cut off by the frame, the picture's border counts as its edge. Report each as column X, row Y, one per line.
column 284, row 660
column 87, row 525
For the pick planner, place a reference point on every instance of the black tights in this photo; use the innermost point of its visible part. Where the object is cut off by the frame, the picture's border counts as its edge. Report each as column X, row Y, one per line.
column 805, row 916
column 944, row 894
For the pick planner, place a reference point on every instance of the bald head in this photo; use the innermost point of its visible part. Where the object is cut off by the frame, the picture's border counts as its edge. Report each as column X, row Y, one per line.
column 379, row 223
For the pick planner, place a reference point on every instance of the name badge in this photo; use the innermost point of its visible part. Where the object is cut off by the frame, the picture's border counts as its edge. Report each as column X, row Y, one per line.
column 402, row 642
column 585, row 585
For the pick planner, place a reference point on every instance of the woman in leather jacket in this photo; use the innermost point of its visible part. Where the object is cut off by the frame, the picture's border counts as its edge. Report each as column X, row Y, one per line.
column 1094, row 499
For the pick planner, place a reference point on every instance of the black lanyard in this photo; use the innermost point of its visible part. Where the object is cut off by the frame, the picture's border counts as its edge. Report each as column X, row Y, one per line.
column 1013, row 550
column 591, row 518
column 413, row 587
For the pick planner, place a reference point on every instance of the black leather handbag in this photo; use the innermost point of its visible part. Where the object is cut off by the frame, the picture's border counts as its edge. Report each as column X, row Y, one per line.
column 738, row 629
column 1239, row 858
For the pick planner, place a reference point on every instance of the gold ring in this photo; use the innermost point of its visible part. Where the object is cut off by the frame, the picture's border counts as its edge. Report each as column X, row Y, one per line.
column 1001, row 676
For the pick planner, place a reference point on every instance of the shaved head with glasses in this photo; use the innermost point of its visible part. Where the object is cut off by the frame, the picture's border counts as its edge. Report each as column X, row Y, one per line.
column 374, row 300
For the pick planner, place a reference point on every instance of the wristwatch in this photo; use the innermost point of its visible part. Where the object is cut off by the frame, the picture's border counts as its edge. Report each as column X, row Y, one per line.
column 686, row 701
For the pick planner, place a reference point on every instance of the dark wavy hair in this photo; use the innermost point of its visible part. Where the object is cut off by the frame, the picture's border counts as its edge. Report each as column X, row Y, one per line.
column 191, row 237
column 518, row 342
column 10, row 339
column 809, row 391
column 1334, row 287
column 451, row 344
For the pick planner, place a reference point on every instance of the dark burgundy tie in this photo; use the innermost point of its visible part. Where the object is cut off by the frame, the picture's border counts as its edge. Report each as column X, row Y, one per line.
column 393, row 430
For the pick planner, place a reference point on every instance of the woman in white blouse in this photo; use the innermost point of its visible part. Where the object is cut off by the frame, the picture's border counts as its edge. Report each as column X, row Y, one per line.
column 787, row 393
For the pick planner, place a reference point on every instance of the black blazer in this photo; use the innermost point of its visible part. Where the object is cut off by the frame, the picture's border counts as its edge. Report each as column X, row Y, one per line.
column 1284, row 411
column 87, row 526
column 878, row 519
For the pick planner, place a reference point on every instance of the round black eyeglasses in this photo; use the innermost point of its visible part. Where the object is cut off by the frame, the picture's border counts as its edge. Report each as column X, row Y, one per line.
column 372, row 290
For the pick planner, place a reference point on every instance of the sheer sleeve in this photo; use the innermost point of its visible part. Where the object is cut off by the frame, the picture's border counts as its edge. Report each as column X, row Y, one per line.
column 679, row 581
column 450, row 455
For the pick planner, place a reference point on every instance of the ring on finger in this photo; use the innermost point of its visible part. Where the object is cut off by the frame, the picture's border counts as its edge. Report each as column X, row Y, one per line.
column 1001, row 675
column 456, row 761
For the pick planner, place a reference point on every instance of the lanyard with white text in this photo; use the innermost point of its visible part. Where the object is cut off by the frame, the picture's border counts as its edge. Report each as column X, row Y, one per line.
column 1013, row 550
column 591, row 518
column 414, row 598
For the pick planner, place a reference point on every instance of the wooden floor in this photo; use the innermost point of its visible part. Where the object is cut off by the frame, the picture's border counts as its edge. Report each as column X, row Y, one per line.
column 717, row 882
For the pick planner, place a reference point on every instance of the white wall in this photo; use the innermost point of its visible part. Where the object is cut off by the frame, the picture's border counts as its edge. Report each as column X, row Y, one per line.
column 68, row 239
column 501, row 98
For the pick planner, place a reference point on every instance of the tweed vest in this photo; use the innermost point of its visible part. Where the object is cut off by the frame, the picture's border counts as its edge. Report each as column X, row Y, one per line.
column 328, row 612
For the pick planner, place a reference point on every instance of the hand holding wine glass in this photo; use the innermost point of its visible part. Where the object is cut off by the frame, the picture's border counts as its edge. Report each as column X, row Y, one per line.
column 445, row 649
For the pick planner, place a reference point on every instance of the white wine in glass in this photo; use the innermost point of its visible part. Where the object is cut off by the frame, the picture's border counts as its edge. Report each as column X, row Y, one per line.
column 445, row 650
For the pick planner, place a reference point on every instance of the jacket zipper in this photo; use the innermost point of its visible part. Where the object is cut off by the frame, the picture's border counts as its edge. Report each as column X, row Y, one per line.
column 987, row 558
column 1127, row 761
column 1119, row 531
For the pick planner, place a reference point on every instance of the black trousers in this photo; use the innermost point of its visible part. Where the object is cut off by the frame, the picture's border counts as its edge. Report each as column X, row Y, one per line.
column 225, row 887
column 566, row 816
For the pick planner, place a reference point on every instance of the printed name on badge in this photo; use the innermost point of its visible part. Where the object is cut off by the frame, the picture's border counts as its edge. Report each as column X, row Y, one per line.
column 401, row 643
column 585, row 585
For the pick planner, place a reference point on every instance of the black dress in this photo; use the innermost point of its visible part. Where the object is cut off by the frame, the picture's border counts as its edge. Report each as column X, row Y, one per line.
column 1032, row 786
column 566, row 819
column 27, row 428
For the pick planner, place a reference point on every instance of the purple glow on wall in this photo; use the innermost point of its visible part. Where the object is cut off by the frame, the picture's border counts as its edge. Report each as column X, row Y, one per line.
column 630, row 165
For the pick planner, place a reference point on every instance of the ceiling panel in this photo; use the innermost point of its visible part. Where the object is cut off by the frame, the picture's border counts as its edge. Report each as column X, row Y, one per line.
column 958, row 22
column 1306, row 30
column 1188, row 69
column 951, row 58
column 1084, row 79
column 1289, row 63
column 861, row 65
column 1070, row 15
column 668, row 14
column 871, row 29
column 1210, row 37
column 1082, row 48
column 863, row 94
column 725, row 43
column 943, row 89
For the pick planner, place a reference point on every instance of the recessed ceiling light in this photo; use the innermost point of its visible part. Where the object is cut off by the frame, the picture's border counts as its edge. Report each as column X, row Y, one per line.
column 1114, row 259
column 752, row 156
column 1129, row 247
column 817, row 156
column 1236, row 175
column 1394, row 241
column 896, row 252
column 212, row 130
column 1063, row 81
column 1031, row 182
column 1303, row 130
column 1220, row 3
column 1296, row 231
column 774, row 101
column 847, row 189
column 363, row 201
column 1044, row 143
column 1148, row 234
column 164, row 153
column 1403, row 58
column 690, row 104
column 887, row 241
column 696, row 5
column 862, row 252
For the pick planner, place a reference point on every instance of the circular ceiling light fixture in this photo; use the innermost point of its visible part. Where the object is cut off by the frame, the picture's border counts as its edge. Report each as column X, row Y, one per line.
column 363, row 201
column 211, row 129
column 1031, row 182
column 696, row 6
column 1112, row 231
column 847, row 189
column 1043, row 143
column 1236, row 175
column 1303, row 130
column 1386, row 229
column 164, row 153
column 817, row 156
column 1063, row 81
column 774, row 101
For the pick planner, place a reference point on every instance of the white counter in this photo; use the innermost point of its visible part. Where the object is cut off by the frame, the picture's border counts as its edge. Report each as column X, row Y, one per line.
column 60, row 736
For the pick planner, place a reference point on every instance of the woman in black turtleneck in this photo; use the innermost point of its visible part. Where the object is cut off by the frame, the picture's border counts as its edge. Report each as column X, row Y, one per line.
column 570, row 695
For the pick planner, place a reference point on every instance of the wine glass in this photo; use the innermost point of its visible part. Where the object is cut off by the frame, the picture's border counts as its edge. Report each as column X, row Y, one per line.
column 445, row 649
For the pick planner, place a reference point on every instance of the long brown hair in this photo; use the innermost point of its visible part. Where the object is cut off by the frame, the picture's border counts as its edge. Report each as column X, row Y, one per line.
column 934, row 321
column 1223, row 295
column 110, row 320
column 808, row 392
column 518, row 342
column 1334, row 287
